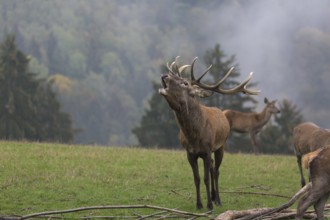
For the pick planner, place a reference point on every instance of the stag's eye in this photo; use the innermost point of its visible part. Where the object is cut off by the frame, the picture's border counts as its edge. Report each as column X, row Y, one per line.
column 185, row 83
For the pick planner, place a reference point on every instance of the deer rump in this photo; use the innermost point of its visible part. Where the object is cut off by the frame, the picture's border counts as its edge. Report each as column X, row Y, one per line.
column 318, row 164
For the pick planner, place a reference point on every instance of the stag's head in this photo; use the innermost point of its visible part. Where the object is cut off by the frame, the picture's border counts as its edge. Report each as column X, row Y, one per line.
column 177, row 89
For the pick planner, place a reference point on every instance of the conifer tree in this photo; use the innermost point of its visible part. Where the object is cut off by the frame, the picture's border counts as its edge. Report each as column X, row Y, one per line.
column 28, row 107
column 158, row 127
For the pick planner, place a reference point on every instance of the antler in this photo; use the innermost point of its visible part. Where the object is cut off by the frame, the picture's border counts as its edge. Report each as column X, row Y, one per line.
column 174, row 69
column 216, row 87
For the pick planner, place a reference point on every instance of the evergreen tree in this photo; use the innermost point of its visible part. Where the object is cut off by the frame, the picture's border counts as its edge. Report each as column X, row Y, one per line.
column 28, row 107
column 158, row 126
column 277, row 136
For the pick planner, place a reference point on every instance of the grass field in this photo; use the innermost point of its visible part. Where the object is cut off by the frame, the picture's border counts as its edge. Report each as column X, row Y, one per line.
column 36, row 177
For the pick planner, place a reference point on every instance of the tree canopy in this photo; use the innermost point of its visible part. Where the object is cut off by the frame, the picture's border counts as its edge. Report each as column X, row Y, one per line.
column 28, row 107
column 111, row 51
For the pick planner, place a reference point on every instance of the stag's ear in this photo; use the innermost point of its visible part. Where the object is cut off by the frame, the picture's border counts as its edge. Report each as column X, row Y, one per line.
column 266, row 100
column 198, row 91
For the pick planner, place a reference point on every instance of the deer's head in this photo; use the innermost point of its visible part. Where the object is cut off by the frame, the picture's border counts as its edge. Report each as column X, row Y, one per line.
column 271, row 106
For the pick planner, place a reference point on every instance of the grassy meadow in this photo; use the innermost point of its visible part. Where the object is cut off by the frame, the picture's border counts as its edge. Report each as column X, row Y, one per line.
column 37, row 177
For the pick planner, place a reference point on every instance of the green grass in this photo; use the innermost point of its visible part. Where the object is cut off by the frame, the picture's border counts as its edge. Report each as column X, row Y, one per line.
column 36, row 177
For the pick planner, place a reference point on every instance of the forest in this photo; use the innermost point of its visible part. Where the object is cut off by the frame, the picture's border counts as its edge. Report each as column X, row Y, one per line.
column 104, row 58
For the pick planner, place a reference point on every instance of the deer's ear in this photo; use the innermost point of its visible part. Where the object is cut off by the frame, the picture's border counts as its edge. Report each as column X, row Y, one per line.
column 198, row 91
column 266, row 100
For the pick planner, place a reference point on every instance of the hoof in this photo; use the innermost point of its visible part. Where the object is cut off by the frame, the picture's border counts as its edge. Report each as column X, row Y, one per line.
column 199, row 205
column 210, row 206
column 218, row 203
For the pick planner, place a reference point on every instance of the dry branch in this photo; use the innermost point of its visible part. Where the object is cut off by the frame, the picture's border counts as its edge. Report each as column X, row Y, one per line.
column 182, row 214
column 260, row 213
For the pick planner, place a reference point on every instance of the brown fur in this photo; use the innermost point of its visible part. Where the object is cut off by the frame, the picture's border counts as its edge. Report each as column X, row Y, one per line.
column 308, row 137
column 251, row 122
column 319, row 168
column 307, row 158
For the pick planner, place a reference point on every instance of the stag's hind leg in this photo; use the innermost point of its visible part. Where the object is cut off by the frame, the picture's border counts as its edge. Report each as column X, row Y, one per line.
column 218, row 155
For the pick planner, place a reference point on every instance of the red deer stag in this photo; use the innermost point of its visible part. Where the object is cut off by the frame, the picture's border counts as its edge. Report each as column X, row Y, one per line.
column 308, row 137
column 203, row 129
column 251, row 122
column 318, row 163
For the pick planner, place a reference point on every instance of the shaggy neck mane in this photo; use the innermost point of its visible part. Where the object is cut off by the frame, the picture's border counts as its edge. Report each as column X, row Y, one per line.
column 188, row 116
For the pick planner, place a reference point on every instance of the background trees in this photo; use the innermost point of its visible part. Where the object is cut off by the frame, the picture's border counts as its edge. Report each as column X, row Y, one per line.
column 28, row 106
column 110, row 51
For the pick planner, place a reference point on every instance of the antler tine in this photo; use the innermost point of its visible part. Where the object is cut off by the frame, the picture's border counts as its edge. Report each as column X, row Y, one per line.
column 240, row 88
column 192, row 76
column 182, row 68
column 173, row 68
column 176, row 66
column 170, row 68
column 225, row 77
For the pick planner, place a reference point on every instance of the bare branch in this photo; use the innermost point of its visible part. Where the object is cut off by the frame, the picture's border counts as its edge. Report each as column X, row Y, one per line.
column 189, row 214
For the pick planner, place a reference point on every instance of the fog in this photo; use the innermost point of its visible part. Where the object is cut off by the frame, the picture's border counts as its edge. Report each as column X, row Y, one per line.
column 262, row 38
column 262, row 35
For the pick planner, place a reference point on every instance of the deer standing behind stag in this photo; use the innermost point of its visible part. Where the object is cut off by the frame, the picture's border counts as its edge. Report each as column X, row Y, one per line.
column 251, row 122
column 203, row 130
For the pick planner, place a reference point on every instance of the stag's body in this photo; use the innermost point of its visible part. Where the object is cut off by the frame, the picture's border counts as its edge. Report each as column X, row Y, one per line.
column 308, row 137
column 203, row 130
column 319, row 169
column 251, row 122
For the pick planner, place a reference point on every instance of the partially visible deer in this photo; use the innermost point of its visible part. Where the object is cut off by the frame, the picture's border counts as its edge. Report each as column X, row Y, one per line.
column 308, row 137
column 203, row 129
column 318, row 163
column 251, row 122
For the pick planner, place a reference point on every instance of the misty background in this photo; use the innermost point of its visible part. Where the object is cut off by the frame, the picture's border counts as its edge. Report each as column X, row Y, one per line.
column 103, row 55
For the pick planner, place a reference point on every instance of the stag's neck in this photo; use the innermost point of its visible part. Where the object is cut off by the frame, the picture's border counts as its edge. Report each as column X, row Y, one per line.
column 189, row 116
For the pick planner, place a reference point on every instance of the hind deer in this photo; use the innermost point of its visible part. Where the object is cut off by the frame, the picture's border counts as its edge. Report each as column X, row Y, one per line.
column 318, row 164
column 251, row 122
column 308, row 137
column 203, row 130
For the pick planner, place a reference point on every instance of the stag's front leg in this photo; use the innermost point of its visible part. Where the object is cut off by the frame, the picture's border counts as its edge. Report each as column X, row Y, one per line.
column 212, row 181
column 192, row 158
column 207, row 159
